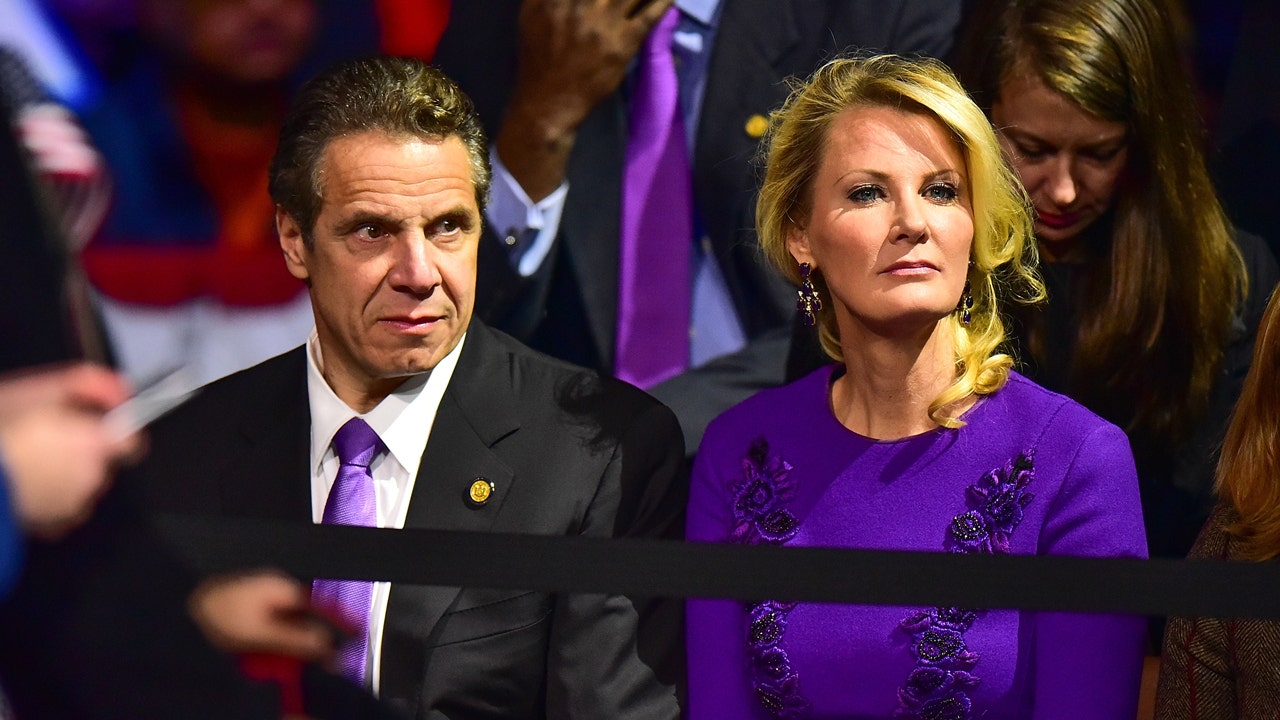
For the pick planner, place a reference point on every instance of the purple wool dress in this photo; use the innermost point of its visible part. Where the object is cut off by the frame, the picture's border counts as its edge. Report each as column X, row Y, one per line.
column 1031, row 473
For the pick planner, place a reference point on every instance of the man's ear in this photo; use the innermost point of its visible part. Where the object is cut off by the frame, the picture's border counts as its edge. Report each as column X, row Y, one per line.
column 292, row 244
column 798, row 245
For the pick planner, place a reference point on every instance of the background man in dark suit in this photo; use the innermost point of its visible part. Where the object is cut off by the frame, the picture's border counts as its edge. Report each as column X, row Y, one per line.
column 555, row 83
column 381, row 178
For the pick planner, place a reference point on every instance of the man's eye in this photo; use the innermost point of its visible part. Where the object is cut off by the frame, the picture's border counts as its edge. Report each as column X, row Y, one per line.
column 865, row 194
column 451, row 227
column 369, row 231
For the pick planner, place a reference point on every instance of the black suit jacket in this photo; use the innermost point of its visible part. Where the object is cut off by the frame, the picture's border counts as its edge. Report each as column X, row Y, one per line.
column 569, row 454
column 569, row 308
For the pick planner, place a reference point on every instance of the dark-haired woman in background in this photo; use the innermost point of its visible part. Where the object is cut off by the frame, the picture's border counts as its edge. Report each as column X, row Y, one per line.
column 1216, row 669
column 1153, row 298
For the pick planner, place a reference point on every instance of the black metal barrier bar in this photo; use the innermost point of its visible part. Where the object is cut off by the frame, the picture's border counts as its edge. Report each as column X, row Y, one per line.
column 666, row 568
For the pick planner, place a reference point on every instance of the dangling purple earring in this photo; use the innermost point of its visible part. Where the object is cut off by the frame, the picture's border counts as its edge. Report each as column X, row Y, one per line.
column 965, row 306
column 809, row 301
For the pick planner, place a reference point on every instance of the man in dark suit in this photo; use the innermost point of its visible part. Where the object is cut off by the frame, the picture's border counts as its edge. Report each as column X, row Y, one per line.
column 380, row 180
column 554, row 80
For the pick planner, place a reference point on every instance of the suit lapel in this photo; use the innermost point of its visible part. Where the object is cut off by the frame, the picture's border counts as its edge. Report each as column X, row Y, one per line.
column 476, row 412
column 270, row 478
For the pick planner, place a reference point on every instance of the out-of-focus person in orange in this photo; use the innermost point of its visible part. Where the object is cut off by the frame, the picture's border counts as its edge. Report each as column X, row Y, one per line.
column 187, row 268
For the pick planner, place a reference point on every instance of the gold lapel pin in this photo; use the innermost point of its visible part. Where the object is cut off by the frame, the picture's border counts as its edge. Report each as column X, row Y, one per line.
column 757, row 126
column 480, row 491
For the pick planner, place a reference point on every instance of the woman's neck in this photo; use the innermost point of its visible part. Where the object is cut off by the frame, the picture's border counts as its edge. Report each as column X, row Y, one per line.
column 889, row 382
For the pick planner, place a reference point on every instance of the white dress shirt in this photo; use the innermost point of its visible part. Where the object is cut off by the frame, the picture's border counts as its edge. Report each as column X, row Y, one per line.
column 403, row 421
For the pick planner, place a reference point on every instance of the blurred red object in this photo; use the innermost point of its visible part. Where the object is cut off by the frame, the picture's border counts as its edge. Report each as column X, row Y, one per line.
column 285, row 672
column 412, row 27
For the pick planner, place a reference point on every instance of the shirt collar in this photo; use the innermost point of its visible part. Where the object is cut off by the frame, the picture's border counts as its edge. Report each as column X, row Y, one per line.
column 400, row 419
column 704, row 11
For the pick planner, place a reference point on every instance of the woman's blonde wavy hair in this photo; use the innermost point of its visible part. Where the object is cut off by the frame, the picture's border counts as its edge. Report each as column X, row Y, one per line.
column 1003, row 256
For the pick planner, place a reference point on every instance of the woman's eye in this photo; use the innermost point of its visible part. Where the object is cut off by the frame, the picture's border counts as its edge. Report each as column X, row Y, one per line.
column 942, row 192
column 865, row 194
column 1031, row 154
column 1104, row 154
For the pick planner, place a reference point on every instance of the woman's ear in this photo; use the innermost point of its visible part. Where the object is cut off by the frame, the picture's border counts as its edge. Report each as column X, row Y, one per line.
column 798, row 245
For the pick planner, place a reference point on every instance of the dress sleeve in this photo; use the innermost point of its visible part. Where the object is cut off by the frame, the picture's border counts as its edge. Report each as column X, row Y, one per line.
column 716, row 632
column 1090, row 665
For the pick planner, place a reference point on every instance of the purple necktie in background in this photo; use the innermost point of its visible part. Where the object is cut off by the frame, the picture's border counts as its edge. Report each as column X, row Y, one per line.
column 657, row 222
column 351, row 502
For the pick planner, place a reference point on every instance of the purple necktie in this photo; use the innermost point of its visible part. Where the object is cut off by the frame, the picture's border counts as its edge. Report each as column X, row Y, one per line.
column 351, row 502
column 657, row 223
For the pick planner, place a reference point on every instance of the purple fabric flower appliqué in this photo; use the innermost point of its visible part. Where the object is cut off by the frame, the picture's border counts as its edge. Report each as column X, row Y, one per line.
column 757, row 501
column 1000, row 497
column 760, row 518
column 937, row 689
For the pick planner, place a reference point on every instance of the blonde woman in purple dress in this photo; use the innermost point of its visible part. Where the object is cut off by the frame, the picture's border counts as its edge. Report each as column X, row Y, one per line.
column 886, row 198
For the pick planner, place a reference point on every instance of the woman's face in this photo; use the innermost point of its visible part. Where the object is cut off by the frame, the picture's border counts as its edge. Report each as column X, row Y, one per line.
column 891, row 221
column 1069, row 161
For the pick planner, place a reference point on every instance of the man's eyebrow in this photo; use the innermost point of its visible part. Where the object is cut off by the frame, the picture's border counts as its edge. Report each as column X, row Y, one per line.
column 462, row 213
column 362, row 217
column 459, row 209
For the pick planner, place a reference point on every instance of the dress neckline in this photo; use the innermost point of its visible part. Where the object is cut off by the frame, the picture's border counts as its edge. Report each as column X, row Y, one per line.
column 835, row 370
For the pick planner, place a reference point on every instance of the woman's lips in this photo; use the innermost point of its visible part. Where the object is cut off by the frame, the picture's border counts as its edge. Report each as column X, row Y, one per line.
column 910, row 267
column 1057, row 221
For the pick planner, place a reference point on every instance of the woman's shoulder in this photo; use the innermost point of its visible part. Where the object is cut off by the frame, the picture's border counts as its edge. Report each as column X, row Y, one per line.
column 1033, row 406
column 773, row 412
column 795, row 401
column 1213, row 540
column 1045, row 422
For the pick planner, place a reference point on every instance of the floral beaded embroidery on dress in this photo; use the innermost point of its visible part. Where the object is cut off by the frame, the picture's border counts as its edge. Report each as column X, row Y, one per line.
column 761, row 518
column 937, row 689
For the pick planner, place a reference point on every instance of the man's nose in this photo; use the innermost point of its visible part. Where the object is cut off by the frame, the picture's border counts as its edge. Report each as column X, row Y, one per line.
column 415, row 269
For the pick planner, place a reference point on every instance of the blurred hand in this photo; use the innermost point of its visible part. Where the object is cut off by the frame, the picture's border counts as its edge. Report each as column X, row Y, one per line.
column 56, row 451
column 262, row 612
column 573, row 54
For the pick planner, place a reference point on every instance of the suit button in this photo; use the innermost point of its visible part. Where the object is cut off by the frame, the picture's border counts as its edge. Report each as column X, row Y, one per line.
column 756, row 126
column 480, row 491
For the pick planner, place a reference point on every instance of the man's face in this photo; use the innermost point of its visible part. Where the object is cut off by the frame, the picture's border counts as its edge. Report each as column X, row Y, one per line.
column 392, row 264
column 245, row 41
